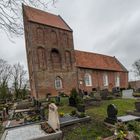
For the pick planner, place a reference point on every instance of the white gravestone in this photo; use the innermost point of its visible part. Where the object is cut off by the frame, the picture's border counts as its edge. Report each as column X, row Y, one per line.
column 127, row 94
column 53, row 118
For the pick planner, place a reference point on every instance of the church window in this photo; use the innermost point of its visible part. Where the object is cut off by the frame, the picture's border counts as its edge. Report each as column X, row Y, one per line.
column 88, row 79
column 117, row 80
column 105, row 79
column 58, row 83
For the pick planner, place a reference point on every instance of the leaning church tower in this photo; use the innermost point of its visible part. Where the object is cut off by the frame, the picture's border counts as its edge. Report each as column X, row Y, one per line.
column 50, row 53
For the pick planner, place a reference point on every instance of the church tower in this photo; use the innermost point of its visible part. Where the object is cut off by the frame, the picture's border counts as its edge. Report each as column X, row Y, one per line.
column 50, row 53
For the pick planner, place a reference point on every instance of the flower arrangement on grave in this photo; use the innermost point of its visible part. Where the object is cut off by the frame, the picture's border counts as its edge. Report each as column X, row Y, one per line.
column 61, row 114
column 73, row 112
column 121, row 131
column 47, row 128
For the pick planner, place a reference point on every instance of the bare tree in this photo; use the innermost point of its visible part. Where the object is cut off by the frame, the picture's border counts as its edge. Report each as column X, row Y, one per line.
column 11, row 14
column 5, row 72
column 136, row 67
column 5, row 75
column 19, row 79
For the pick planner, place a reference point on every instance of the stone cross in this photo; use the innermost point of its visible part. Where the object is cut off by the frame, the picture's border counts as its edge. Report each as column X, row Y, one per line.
column 53, row 118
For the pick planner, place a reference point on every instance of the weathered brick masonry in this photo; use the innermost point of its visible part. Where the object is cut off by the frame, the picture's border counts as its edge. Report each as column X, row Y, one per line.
column 54, row 66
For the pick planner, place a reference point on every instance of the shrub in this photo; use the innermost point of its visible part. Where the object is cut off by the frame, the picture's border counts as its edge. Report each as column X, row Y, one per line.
column 74, row 98
column 104, row 93
column 73, row 112
column 81, row 107
column 82, row 115
column 62, row 94
column 110, row 97
column 134, row 126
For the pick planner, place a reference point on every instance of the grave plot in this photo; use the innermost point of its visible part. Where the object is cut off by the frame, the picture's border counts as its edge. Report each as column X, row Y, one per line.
column 69, row 120
column 26, row 113
column 112, row 118
column 49, row 130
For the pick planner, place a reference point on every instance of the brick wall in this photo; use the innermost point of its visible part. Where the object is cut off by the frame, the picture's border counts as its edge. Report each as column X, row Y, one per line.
column 97, row 79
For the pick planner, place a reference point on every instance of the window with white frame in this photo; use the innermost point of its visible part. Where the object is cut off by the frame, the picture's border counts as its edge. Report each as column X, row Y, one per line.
column 88, row 79
column 58, row 83
column 117, row 80
column 105, row 79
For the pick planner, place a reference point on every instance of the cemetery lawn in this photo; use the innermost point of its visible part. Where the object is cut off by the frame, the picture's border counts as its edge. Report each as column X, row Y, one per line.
column 95, row 128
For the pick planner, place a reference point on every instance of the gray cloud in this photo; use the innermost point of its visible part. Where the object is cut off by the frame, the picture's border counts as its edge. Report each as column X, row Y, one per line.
column 110, row 27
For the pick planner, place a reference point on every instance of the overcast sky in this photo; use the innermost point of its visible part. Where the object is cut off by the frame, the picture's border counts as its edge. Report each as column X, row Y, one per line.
column 110, row 27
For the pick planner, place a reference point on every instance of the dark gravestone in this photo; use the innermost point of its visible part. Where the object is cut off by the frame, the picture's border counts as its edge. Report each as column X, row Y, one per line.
column 116, row 91
column 42, row 113
column 112, row 114
column 104, row 93
column 137, row 106
column 72, row 102
column 34, row 101
column 57, row 100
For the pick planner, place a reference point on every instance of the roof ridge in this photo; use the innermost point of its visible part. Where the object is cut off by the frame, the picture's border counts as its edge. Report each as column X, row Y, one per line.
column 96, row 53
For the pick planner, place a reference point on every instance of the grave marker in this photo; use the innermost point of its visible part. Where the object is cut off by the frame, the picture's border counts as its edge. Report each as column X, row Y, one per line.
column 112, row 112
column 127, row 94
column 53, row 118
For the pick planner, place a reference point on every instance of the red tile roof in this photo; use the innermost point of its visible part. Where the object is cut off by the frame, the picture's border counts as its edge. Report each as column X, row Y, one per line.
column 45, row 18
column 97, row 61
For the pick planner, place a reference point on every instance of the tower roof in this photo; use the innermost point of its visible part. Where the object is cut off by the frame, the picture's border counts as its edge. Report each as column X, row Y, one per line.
column 39, row 16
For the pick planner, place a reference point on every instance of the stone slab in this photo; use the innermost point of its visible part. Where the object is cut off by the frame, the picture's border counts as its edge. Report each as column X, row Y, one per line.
column 128, row 118
column 69, row 120
column 29, row 132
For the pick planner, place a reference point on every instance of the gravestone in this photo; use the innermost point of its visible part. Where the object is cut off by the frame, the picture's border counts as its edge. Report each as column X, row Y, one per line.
column 42, row 113
column 116, row 91
column 127, row 94
column 137, row 106
column 104, row 93
column 112, row 112
column 57, row 100
column 53, row 118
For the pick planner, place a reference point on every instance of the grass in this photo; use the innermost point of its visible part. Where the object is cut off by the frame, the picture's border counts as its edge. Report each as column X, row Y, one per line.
column 95, row 128
column 122, row 105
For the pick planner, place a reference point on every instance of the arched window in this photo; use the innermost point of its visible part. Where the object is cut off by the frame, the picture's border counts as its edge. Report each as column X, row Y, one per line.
column 41, row 57
column 56, row 59
column 88, row 79
column 58, row 83
column 117, row 80
column 40, row 36
column 105, row 79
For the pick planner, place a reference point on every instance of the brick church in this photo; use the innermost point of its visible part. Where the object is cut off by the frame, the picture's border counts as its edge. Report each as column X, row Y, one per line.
column 55, row 66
